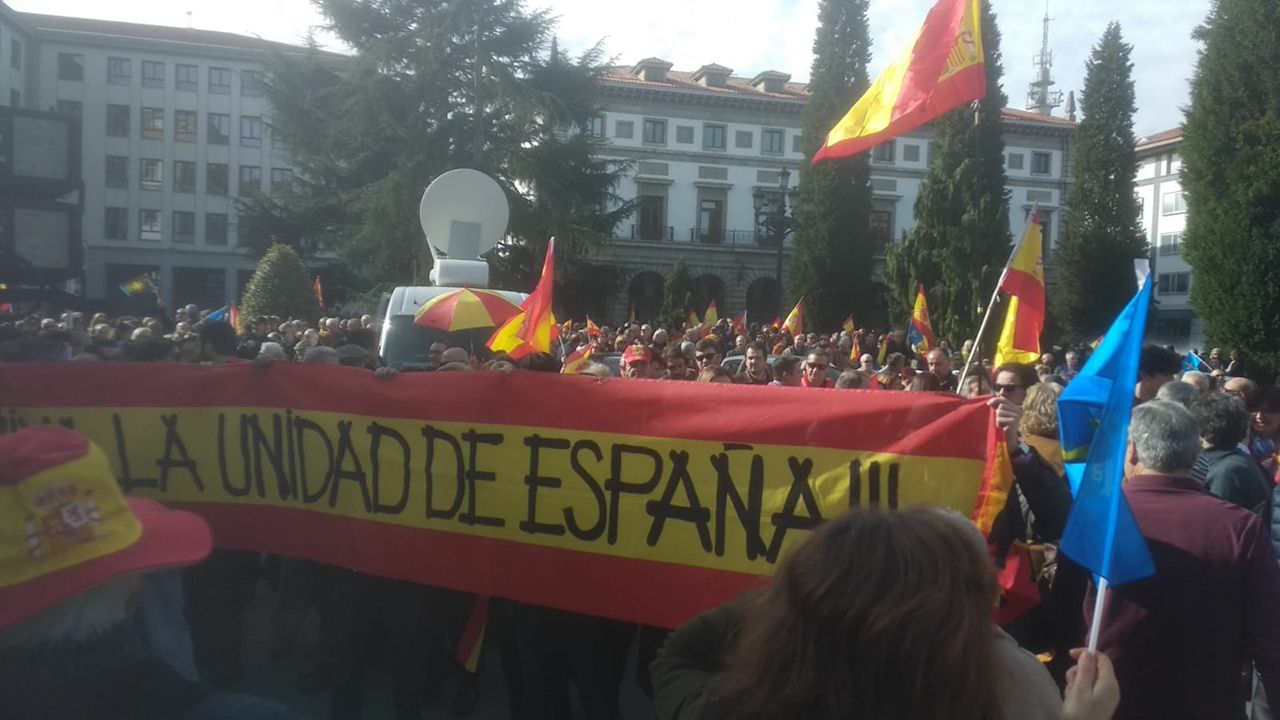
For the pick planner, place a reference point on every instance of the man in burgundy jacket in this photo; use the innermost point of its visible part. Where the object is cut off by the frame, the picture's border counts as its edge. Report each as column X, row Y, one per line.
column 1180, row 639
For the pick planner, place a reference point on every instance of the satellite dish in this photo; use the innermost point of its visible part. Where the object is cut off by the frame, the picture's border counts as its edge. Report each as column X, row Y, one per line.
column 464, row 214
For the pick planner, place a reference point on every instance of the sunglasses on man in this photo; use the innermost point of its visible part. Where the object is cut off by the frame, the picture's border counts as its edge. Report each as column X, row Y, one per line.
column 817, row 366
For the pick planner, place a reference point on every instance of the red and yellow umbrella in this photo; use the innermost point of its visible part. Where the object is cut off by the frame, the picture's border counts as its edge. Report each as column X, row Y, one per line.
column 465, row 310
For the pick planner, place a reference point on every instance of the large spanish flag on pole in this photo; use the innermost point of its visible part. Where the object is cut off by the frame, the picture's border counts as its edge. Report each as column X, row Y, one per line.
column 942, row 70
column 795, row 320
column 1023, row 280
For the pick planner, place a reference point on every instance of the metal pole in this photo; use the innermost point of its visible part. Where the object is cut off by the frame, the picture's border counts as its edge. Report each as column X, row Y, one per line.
column 977, row 342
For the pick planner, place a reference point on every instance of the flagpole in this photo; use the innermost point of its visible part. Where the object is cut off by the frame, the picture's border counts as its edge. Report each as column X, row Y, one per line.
column 995, row 295
column 1097, row 615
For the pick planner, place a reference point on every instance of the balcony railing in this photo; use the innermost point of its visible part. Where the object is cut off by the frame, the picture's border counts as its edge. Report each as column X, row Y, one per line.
column 739, row 238
column 653, row 233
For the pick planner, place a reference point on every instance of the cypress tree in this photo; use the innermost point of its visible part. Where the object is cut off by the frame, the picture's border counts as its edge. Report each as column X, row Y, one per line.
column 961, row 239
column 831, row 260
column 1231, row 173
column 675, row 298
column 280, row 286
column 1102, row 233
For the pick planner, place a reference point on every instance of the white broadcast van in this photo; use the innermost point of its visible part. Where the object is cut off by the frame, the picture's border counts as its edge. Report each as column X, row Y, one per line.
column 464, row 214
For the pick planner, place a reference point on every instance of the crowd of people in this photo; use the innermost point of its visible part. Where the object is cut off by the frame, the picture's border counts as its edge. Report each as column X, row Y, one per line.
column 907, row 631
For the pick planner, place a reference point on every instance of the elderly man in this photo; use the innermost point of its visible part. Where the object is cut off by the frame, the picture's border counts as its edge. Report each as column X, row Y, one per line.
column 739, row 346
column 69, row 643
column 939, row 362
column 1179, row 638
column 1244, row 389
column 637, row 363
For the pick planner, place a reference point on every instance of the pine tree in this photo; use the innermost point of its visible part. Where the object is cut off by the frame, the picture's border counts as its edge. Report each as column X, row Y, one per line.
column 675, row 298
column 961, row 239
column 280, row 286
column 831, row 260
column 1231, row 173
column 1102, row 231
column 434, row 86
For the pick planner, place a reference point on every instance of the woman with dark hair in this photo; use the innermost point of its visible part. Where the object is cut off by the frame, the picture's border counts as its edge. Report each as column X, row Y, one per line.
column 882, row 616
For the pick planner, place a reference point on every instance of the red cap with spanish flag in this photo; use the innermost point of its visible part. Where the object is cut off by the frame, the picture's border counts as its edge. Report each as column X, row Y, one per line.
column 65, row 527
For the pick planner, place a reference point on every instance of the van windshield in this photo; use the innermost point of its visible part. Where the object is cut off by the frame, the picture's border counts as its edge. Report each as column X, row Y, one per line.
column 405, row 346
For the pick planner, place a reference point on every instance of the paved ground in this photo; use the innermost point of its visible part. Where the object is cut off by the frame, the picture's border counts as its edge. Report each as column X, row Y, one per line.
column 271, row 678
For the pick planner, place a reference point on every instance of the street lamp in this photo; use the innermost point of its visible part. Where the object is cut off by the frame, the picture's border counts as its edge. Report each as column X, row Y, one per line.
column 781, row 226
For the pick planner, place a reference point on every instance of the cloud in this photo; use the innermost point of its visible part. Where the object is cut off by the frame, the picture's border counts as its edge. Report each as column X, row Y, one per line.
column 754, row 35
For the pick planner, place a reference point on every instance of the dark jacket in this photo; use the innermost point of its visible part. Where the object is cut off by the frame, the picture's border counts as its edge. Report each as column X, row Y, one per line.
column 1048, row 502
column 111, row 677
column 1237, row 478
column 1179, row 638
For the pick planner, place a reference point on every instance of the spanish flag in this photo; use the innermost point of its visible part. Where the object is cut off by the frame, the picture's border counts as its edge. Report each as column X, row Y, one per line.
column 138, row 285
column 795, row 320
column 1023, row 280
column 593, row 330
column 318, row 290
column 941, row 70
column 740, row 323
column 471, row 643
column 692, row 320
column 711, row 317
column 848, row 325
column 576, row 359
column 920, row 330
column 534, row 328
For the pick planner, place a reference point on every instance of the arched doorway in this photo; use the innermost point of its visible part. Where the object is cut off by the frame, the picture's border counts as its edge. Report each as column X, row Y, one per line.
column 763, row 300
column 706, row 288
column 645, row 295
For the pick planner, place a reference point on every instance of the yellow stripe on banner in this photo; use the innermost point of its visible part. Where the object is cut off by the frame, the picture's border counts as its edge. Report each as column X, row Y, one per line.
column 694, row 503
column 874, row 110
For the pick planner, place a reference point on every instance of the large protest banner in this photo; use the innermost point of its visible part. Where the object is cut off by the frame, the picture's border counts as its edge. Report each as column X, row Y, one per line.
column 640, row 500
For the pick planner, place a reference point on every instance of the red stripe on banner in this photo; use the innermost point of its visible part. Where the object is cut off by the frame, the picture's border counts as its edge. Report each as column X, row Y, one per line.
column 1028, row 288
column 651, row 593
column 921, row 424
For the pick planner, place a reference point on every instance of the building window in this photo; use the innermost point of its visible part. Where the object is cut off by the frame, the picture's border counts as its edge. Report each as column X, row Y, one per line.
column 152, row 74
column 115, row 224
column 71, row 67
column 653, row 217
column 250, row 179
column 910, row 152
column 215, row 178
column 1170, row 243
column 595, row 127
column 184, row 126
column 117, row 171
column 149, row 227
column 1174, row 283
column 881, row 226
column 684, row 134
column 15, row 53
column 655, row 132
column 280, row 178
column 186, row 78
column 1016, row 161
column 70, row 107
column 119, row 71
column 1142, row 205
column 250, row 83
column 184, row 176
column 117, row 121
column 713, row 137
column 1041, row 163
column 624, row 129
column 152, row 123
column 711, row 221
column 184, row 226
column 219, row 129
column 1046, row 234
column 883, row 153
column 219, row 81
column 744, row 139
column 215, row 228
column 152, row 174
column 795, row 145
column 772, row 142
column 1173, row 203
column 250, row 131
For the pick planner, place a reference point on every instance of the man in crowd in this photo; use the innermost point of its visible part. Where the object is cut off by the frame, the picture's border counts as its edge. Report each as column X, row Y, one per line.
column 706, row 353
column 755, row 366
column 939, row 362
column 1157, row 366
column 815, row 370
column 739, row 347
column 787, row 371
column 676, row 365
column 637, row 363
column 1179, row 638
column 1229, row 472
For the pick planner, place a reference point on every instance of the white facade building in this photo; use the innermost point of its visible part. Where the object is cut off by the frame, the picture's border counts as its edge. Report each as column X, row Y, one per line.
column 1164, row 217
column 174, row 127
column 707, row 150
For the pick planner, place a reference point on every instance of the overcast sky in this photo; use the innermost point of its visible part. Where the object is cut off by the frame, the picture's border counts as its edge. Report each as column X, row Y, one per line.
column 754, row 35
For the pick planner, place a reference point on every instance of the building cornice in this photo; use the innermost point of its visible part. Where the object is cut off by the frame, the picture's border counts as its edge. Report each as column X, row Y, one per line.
column 693, row 97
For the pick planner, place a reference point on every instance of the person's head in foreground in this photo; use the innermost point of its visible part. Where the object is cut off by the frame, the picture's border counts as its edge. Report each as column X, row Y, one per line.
column 73, row 552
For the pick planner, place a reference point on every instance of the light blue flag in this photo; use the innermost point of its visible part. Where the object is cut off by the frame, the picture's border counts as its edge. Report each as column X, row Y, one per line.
column 1192, row 362
column 219, row 315
column 1093, row 419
